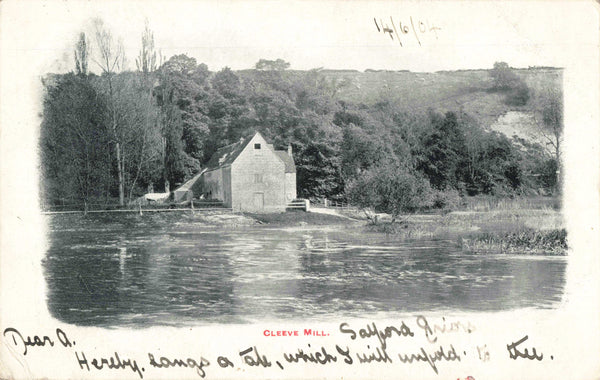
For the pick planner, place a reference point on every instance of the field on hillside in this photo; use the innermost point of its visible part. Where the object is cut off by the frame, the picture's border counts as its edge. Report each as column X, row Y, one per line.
column 467, row 90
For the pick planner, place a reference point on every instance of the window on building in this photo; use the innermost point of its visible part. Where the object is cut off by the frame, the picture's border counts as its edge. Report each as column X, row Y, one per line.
column 258, row 178
column 257, row 150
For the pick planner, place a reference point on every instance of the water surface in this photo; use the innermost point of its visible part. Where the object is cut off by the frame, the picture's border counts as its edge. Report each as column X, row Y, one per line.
column 165, row 269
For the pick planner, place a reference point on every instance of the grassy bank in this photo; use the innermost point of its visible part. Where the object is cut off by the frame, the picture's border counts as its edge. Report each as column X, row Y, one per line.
column 515, row 231
column 299, row 218
column 507, row 228
column 523, row 241
column 494, row 203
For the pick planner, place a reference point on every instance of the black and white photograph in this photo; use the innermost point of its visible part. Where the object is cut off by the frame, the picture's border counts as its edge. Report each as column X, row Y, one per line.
column 269, row 189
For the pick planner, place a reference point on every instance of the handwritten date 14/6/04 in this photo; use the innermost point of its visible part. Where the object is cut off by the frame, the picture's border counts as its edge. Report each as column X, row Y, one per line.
column 417, row 28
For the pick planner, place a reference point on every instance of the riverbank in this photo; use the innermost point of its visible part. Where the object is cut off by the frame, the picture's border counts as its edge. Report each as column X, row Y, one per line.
column 513, row 231
column 302, row 218
column 499, row 231
column 518, row 231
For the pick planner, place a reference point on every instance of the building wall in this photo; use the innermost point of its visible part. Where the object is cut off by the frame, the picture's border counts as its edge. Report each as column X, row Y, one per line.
column 213, row 184
column 198, row 187
column 290, row 187
column 226, row 174
column 258, row 179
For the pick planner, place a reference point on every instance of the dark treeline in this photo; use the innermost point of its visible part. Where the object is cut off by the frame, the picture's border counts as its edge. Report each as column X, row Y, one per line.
column 119, row 134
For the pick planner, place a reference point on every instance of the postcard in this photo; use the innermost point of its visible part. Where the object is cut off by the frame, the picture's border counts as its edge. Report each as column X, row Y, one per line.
column 304, row 189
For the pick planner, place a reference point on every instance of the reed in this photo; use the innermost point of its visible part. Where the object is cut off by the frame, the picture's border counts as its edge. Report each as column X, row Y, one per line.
column 522, row 241
column 492, row 203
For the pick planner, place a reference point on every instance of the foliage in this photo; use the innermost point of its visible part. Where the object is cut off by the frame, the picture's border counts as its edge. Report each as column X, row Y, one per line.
column 520, row 241
column 485, row 203
column 146, row 61
column 547, row 174
column 125, row 133
column 110, row 59
column 361, row 150
column 549, row 119
column 442, row 151
column 390, row 189
column 504, row 77
column 82, row 53
column 318, row 171
column 266, row 64
column 505, row 80
column 75, row 148
column 518, row 96
column 446, row 200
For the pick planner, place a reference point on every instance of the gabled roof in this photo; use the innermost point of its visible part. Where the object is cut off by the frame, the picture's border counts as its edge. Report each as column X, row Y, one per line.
column 227, row 154
column 188, row 185
column 290, row 167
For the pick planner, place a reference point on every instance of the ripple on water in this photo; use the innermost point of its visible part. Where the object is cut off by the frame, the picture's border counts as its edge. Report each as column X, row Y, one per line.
column 137, row 272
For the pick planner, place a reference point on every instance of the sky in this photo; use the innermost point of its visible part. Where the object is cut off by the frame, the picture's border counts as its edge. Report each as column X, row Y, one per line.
column 313, row 34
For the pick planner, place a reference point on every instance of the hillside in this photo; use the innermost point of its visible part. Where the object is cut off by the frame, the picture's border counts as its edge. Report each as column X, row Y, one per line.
column 467, row 90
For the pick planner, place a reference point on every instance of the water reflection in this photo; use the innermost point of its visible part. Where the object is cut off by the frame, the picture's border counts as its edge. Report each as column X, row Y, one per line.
column 138, row 271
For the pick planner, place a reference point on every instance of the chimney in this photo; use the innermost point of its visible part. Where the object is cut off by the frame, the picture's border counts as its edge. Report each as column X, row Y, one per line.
column 290, row 150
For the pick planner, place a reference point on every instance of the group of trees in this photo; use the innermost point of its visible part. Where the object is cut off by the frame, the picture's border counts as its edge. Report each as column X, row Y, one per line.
column 121, row 133
column 506, row 81
column 101, row 135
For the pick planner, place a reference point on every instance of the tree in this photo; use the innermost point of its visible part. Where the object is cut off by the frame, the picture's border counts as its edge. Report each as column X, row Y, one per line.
column 140, row 135
column 497, row 170
column 318, row 170
column 74, row 142
column 270, row 65
column 229, row 111
column 391, row 189
column 519, row 96
column 82, row 52
column 361, row 150
column 111, row 59
column 504, row 77
column 443, row 150
column 183, row 98
column 474, row 147
column 505, row 80
column 175, row 157
column 146, row 61
column 550, row 124
column 149, row 143
column 227, row 83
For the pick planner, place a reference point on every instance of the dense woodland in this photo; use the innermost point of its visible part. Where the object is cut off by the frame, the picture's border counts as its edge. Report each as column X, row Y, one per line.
column 111, row 135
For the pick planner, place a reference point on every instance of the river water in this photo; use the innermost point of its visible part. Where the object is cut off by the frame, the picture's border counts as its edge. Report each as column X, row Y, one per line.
column 137, row 271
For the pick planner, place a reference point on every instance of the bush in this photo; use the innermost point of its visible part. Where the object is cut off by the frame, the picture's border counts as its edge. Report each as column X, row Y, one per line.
column 390, row 189
column 519, row 96
column 504, row 77
column 447, row 200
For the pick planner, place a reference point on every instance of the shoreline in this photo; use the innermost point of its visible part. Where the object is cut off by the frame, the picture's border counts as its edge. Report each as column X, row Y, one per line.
column 514, row 232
